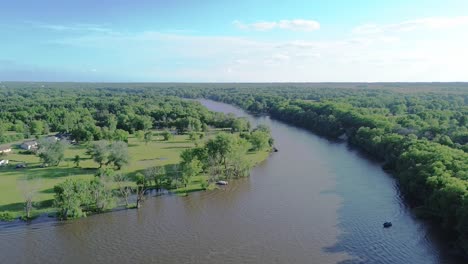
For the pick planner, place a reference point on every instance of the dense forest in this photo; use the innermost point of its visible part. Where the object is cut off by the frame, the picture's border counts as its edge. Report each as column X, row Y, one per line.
column 88, row 114
column 419, row 131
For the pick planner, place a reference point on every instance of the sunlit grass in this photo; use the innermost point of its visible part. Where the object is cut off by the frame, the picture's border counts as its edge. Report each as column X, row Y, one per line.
column 142, row 155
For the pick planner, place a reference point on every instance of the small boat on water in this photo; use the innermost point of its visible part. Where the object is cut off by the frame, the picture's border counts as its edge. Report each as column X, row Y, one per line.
column 387, row 224
column 222, row 183
column 275, row 149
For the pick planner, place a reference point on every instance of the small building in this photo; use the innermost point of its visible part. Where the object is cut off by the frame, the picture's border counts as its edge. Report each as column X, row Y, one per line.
column 52, row 138
column 3, row 162
column 63, row 136
column 4, row 150
column 29, row 145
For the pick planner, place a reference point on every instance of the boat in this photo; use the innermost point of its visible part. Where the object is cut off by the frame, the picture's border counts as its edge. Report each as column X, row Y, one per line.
column 275, row 149
column 387, row 224
column 222, row 182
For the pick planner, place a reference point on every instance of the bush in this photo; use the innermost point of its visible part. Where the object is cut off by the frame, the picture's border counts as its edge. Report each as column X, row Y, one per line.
column 6, row 216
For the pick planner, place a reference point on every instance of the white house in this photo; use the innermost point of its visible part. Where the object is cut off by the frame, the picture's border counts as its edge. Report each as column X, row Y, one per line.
column 29, row 145
column 3, row 162
column 4, row 150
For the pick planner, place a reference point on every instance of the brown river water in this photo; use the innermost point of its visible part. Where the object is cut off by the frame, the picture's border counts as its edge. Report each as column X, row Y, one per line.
column 314, row 201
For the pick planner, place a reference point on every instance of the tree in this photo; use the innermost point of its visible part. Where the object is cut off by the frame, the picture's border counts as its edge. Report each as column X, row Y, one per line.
column 259, row 140
column 140, row 135
column 100, row 191
column 111, row 122
column 157, row 173
column 239, row 165
column 118, row 154
column 148, row 136
column 70, row 195
column 50, row 152
column 120, row 135
column 77, row 160
column 100, row 151
column 240, row 125
column 193, row 135
column 167, row 135
column 190, row 169
column 142, row 186
column 29, row 187
column 214, row 169
column 220, row 146
column 37, row 127
column 125, row 190
column 173, row 175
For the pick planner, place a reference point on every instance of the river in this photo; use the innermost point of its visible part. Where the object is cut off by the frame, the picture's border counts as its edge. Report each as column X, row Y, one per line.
column 314, row 201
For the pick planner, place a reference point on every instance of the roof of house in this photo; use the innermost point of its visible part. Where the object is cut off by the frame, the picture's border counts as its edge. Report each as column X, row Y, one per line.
column 4, row 148
column 30, row 143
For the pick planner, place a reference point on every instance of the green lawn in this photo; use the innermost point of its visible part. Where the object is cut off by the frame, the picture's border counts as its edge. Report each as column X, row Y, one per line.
column 142, row 155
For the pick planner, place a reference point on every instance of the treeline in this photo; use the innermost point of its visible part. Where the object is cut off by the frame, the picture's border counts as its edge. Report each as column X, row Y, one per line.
column 98, row 114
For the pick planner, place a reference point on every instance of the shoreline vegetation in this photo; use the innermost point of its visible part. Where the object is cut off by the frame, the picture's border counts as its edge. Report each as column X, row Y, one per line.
column 115, row 153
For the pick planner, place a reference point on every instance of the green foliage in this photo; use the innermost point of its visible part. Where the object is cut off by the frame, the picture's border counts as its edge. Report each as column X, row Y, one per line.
column 71, row 198
column 36, row 127
column 51, row 152
column 148, row 136
column 99, row 152
column 6, row 216
column 118, row 154
column 259, row 140
column 240, row 125
column 76, row 160
column 167, row 135
column 191, row 169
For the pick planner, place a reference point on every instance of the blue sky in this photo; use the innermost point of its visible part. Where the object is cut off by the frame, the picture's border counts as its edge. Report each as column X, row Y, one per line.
column 233, row 41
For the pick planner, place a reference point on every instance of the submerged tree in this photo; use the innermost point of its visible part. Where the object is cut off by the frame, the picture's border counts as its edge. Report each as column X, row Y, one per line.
column 142, row 186
column 124, row 188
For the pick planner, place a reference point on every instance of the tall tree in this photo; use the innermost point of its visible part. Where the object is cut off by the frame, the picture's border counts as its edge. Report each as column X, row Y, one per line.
column 118, row 154
column 51, row 152
column 100, row 151
column 148, row 136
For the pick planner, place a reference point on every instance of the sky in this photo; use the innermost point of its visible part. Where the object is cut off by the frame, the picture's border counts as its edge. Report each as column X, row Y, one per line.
column 234, row 41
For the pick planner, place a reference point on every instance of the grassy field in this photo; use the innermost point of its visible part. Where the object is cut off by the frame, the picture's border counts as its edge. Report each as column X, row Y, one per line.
column 155, row 153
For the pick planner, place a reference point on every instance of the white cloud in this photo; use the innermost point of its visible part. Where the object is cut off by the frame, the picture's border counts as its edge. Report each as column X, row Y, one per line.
column 294, row 25
column 77, row 27
column 299, row 25
column 430, row 23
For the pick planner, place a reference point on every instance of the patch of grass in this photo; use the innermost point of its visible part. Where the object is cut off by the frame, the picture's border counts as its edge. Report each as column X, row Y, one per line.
column 143, row 155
